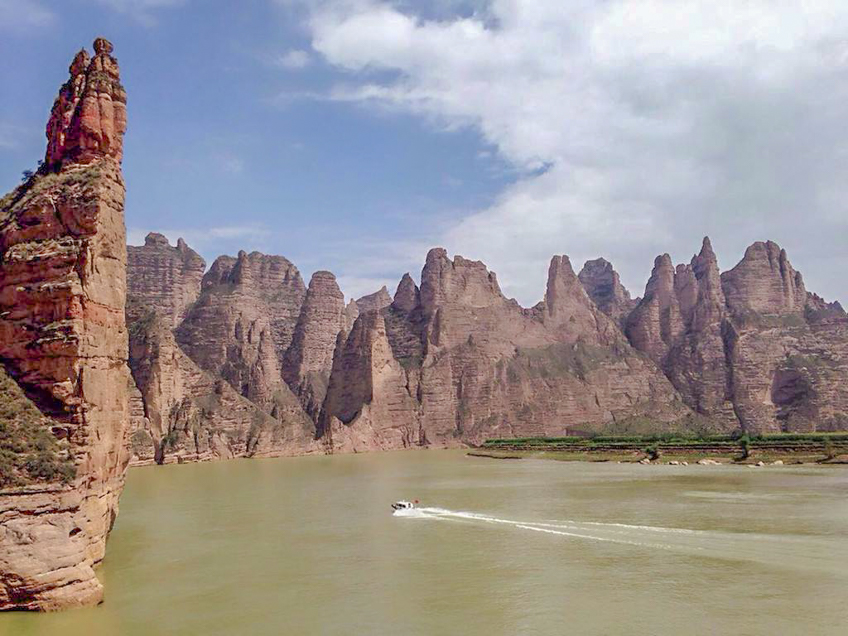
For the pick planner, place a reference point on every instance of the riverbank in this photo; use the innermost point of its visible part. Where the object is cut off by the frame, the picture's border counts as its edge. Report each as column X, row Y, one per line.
column 812, row 448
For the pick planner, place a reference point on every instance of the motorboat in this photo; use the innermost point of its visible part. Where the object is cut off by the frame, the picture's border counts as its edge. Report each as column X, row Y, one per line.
column 404, row 505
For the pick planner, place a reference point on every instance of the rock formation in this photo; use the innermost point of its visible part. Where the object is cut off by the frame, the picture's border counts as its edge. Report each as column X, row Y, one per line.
column 63, row 346
column 191, row 413
column 604, row 287
column 457, row 362
column 242, row 324
column 749, row 348
column 375, row 301
column 165, row 280
column 309, row 359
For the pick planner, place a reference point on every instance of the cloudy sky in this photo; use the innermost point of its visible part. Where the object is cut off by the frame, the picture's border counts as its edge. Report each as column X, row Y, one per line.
column 352, row 135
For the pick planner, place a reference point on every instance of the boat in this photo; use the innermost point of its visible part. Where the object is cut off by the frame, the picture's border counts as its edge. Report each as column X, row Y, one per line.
column 404, row 505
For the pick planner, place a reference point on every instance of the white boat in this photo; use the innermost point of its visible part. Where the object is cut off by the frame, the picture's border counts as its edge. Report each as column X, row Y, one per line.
column 403, row 505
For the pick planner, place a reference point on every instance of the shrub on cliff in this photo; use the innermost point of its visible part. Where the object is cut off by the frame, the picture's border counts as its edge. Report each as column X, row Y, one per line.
column 29, row 452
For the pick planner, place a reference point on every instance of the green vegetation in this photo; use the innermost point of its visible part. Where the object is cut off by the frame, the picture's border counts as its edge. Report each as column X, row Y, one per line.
column 29, row 452
column 798, row 446
column 745, row 444
column 653, row 452
column 668, row 438
column 40, row 182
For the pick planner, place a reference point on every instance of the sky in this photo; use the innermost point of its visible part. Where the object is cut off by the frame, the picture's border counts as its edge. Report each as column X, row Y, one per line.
column 354, row 135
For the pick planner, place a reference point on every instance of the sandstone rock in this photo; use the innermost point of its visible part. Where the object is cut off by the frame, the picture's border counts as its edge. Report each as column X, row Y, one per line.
column 89, row 116
column 465, row 363
column 407, row 295
column 63, row 339
column 375, row 301
column 786, row 349
column 655, row 323
column 749, row 348
column 242, row 324
column 309, row 359
column 764, row 282
column 679, row 324
column 604, row 287
column 192, row 415
column 162, row 279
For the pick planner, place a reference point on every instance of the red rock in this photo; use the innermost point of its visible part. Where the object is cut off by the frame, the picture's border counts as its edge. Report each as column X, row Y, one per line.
column 407, row 295
column 63, row 339
column 309, row 359
column 162, row 279
column 764, row 282
column 242, row 324
column 89, row 116
column 375, row 301
column 604, row 287
column 750, row 348
column 467, row 363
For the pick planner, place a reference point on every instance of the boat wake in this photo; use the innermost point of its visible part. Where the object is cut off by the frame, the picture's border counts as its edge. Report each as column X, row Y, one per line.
column 794, row 551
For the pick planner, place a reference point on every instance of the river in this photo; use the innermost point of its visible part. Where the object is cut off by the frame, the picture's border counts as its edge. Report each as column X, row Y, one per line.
column 309, row 546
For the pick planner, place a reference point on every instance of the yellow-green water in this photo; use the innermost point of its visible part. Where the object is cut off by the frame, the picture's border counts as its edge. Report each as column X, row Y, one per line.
column 309, row 546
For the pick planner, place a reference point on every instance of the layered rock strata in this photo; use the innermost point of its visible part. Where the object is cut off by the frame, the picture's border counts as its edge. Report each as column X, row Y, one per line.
column 164, row 280
column 309, row 359
column 191, row 413
column 63, row 341
column 749, row 348
column 374, row 302
column 456, row 362
column 603, row 285
column 243, row 323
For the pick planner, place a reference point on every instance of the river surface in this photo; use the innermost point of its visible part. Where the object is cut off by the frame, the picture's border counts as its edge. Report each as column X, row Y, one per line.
column 309, row 546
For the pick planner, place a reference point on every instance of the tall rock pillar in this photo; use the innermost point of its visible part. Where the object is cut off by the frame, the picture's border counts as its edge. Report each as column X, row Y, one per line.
column 63, row 348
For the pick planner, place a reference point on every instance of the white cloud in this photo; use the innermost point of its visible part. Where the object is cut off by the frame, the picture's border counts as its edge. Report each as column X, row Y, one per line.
column 292, row 60
column 24, row 15
column 638, row 125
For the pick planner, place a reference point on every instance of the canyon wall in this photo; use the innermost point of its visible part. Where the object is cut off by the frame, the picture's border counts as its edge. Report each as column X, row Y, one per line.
column 63, row 348
column 749, row 348
column 218, row 392
column 454, row 361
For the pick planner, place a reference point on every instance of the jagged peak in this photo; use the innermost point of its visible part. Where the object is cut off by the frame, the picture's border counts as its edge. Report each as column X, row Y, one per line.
column 322, row 284
column 764, row 281
column 156, row 239
column 407, row 294
column 375, row 301
column 459, row 280
column 89, row 116
column 562, row 284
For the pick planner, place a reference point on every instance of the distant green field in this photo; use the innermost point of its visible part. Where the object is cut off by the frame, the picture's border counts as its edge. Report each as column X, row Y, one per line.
column 668, row 438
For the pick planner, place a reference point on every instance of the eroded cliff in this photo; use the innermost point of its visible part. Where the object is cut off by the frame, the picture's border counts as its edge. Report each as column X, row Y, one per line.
column 63, row 343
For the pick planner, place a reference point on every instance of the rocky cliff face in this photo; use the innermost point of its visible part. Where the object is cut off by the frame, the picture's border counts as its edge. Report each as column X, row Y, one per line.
column 165, row 280
column 374, row 302
column 309, row 359
column 63, row 342
column 238, row 405
column 243, row 323
column 456, row 362
column 604, row 287
column 749, row 348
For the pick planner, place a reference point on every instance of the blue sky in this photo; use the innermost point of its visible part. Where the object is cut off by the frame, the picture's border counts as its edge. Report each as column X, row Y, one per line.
column 352, row 135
